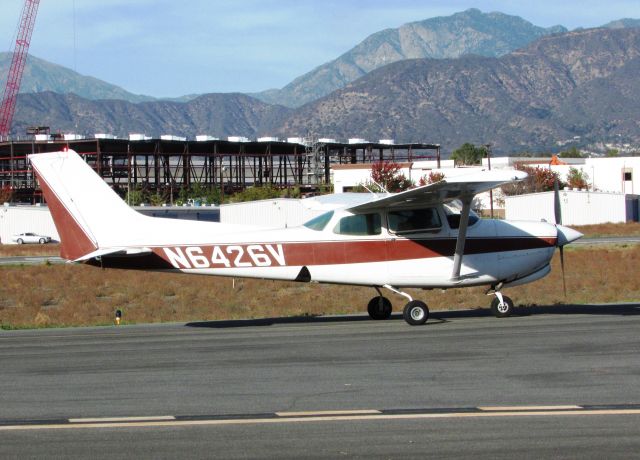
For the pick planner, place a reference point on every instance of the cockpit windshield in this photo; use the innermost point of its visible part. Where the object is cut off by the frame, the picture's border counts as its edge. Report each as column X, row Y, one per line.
column 320, row 222
column 453, row 209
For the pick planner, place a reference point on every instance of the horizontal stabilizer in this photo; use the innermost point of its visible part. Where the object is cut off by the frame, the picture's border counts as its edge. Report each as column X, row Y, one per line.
column 114, row 252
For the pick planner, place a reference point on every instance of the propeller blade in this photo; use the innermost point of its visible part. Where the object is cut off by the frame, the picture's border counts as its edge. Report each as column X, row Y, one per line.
column 556, row 202
column 564, row 281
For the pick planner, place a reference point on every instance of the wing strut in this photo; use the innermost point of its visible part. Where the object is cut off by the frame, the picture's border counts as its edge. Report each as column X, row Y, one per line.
column 462, row 236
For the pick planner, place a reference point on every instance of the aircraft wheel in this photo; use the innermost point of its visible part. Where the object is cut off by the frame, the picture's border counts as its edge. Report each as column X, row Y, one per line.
column 379, row 308
column 502, row 310
column 416, row 313
column 20, row 241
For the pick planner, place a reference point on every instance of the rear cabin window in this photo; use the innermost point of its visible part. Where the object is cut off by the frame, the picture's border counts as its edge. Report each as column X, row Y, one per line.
column 414, row 220
column 359, row 224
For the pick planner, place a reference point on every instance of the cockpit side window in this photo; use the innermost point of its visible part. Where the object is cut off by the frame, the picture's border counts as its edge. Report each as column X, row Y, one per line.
column 453, row 210
column 359, row 224
column 414, row 220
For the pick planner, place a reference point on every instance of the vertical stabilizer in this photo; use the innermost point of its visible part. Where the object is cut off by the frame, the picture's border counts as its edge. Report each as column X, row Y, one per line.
column 85, row 210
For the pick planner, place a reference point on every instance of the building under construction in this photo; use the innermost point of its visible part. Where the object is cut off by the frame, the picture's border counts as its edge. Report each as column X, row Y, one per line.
column 165, row 166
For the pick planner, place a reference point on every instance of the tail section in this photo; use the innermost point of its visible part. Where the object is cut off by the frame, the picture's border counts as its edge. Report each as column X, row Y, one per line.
column 85, row 210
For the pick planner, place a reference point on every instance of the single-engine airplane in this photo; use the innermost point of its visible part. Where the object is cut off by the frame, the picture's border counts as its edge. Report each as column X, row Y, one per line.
column 426, row 237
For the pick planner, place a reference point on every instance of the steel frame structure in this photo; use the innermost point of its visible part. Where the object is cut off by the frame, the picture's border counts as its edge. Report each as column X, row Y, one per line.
column 165, row 167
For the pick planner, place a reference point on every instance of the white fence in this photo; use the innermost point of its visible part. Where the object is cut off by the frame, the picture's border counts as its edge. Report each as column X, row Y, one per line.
column 578, row 207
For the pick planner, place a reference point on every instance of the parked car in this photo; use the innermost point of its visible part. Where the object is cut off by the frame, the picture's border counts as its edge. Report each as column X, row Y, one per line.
column 28, row 237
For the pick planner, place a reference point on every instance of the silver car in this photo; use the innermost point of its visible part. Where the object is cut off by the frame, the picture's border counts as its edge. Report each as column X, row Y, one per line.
column 28, row 237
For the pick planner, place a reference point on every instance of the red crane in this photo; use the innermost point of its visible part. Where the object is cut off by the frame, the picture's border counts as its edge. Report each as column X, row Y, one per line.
column 23, row 39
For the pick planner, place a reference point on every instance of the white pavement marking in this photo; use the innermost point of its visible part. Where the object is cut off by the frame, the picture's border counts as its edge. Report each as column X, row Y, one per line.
column 327, row 412
column 526, row 408
column 331, row 418
column 121, row 419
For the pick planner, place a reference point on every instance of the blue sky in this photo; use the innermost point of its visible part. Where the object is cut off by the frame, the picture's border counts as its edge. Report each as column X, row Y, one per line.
column 169, row 48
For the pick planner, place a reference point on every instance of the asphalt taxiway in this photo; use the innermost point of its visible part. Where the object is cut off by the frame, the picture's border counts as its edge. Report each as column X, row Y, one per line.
column 552, row 381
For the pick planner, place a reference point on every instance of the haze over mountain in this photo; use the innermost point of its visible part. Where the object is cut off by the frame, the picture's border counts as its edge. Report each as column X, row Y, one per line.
column 40, row 75
column 468, row 32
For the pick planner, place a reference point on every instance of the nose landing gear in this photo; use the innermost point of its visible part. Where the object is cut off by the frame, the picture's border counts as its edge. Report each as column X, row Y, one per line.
column 501, row 305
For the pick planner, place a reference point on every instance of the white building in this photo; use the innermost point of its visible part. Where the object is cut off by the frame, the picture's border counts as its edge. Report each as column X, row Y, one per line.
column 616, row 174
column 577, row 207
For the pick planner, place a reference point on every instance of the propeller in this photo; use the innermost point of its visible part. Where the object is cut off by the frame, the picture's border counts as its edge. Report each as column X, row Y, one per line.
column 558, row 217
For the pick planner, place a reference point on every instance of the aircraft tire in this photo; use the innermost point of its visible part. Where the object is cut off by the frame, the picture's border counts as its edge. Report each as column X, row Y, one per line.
column 416, row 313
column 502, row 311
column 379, row 308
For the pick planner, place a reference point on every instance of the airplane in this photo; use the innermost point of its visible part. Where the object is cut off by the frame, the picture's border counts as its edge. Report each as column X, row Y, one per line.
column 426, row 237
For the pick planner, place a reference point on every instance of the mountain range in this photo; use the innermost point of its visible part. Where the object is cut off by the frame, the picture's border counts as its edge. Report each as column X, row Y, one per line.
column 468, row 32
column 468, row 77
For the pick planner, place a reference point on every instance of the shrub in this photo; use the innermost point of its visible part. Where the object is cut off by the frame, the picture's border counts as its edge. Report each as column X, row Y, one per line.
column 388, row 175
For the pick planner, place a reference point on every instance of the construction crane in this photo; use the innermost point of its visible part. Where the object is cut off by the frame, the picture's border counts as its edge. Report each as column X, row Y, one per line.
column 21, row 49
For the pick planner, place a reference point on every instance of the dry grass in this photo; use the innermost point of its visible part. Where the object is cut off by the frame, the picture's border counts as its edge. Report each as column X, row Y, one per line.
column 593, row 231
column 17, row 250
column 73, row 295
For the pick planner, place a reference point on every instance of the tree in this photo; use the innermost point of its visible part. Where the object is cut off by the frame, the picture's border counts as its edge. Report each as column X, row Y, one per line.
column 612, row 153
column 573, row 152
column 388, row 175
column 6, row 194
column 468, row 154
column 577, row 178
column 538, row 180
column 135, row 196
column 256, row 193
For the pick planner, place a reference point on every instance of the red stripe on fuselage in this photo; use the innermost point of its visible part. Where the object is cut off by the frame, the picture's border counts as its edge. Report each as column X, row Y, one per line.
column 338, row 252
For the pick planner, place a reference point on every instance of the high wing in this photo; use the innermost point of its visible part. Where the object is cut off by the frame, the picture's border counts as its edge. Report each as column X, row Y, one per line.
column 462, row 187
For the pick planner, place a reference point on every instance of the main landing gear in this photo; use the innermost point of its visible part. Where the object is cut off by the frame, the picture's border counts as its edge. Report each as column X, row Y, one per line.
column 415, row 312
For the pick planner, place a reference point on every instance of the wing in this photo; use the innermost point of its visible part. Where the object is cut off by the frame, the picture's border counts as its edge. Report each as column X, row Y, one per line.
column 463, row 186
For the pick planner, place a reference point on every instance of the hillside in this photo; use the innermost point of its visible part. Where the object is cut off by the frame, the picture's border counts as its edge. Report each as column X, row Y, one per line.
column 468, row 32
column 40, row 75
column 577, row 84
column 215, row 114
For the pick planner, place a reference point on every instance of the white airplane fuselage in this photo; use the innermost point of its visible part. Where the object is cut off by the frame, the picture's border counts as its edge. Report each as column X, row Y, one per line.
column 495, row 251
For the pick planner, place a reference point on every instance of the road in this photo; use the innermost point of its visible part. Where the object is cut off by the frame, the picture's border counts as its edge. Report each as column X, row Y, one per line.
column 549, row 382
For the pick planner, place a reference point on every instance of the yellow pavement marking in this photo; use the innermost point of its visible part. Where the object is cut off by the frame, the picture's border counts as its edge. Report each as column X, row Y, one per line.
column 526, row 408
column 121, row 419
column 327, row 412
column 328, row 418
